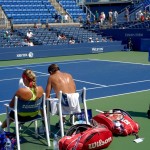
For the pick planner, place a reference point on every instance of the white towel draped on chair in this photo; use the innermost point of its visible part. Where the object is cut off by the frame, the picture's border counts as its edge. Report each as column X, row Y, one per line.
column 72, row 103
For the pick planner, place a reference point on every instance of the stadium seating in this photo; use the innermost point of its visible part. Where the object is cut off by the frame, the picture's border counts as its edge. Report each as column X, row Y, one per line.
column 44, row 36
column 72, row 9
column 28, row 12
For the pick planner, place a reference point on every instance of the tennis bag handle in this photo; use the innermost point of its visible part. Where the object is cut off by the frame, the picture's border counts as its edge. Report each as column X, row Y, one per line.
column 86, row 137
column 118, row 121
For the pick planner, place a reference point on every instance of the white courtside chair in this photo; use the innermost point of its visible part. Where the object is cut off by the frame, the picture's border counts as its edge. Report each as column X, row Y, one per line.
column 58, row 101
column 28, row 106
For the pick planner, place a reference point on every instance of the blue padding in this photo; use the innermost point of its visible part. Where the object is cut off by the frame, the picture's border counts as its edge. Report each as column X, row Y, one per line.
column 58, row 50
column 145, row 44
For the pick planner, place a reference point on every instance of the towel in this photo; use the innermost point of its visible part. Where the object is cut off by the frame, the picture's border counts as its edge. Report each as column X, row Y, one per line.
column 70, row 104
column 21, row 84
column 73, row 103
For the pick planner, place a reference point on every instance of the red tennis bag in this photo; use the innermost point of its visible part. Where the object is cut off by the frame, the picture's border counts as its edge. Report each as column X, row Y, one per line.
column 118, row 121
column 86, row 137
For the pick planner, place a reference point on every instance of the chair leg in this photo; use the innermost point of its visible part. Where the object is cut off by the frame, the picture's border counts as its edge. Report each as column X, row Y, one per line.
column 48, row 115
column 17, row 131
column 7, row 112
column 36, row 131
column 61, row 120
column 72, row 121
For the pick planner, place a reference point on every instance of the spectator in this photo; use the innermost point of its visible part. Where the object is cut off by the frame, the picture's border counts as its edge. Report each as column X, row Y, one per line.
column 104, row 39
column 56, row 17
column 29, row 35
column 32, row 93
column 96, row 16
column 126, row 14
column 115, row 17
column 62, row 37
column 30, row 43
column 7, row 35
column 110, row 39
column 97, row 40
column 72, row 41
column 35, row 25
column 110, row 17
column 88, row 20
column 138, row 15
column 66, row 18
column 130, row 44
column 25, row 43
column 47, row 26
column 90, row 40
column 80, row 19
column 102, row 18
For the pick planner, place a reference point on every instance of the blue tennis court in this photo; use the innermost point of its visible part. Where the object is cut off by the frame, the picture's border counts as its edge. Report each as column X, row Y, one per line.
column 101, row 78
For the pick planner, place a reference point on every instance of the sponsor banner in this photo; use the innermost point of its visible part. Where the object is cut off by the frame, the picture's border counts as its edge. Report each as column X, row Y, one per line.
column 58, row 50
column 25, row 55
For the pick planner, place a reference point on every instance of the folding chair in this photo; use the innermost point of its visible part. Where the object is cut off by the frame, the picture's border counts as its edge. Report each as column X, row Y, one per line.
column 60, row 103
column 21, row 106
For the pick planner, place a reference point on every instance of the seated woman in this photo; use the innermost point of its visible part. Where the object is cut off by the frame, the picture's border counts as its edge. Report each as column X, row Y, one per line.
column 71, row 41
column 62, row 37
column 31, row 93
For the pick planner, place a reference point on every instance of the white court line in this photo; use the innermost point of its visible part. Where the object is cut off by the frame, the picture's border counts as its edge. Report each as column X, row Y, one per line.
column 120, row 62
column 118, row 95
column 121, row 84
column 97, row 98
column 65, row 62
column 91, row 83
column 2, row 114
column 19, row 78
column 60, row 63
column 45, row 63
column 34, row 71
column 45, row 74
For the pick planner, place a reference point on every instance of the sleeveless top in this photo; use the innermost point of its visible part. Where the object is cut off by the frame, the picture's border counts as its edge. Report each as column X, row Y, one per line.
column 30, row 114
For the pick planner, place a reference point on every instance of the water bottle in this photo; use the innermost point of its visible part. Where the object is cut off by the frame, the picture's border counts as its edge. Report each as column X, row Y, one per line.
column 8, row 144
column 55, row 143
column 2, row 137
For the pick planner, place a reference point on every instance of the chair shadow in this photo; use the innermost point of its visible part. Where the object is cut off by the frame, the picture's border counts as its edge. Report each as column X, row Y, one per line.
column 56, row 130
column 28, row 133
column 138, row 114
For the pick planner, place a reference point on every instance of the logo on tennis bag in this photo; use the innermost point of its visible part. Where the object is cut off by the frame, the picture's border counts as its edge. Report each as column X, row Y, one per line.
column 86, row 137
column 118, row 121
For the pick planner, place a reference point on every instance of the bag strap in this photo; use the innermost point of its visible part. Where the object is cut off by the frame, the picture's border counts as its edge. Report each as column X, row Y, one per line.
column 75, row 129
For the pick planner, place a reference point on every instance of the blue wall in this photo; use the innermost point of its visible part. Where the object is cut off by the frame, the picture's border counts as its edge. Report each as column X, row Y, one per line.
column 124, row 34
column 145, row 44
column 58, row 50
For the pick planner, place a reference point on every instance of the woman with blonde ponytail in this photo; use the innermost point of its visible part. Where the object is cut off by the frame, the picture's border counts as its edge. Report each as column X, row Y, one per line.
column 30, row 92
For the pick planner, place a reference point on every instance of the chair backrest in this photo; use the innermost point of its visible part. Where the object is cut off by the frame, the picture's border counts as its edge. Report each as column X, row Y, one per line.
column 28, row 106
column 63, row 101
column 82, row 99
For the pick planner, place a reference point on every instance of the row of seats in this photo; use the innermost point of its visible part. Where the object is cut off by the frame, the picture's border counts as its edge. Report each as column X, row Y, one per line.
column 145, row 24
column 75, row 11
column 17, row 10
column 26, row 13
column 42, row 36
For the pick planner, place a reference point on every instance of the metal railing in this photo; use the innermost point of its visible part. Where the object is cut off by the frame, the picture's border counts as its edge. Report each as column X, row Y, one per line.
column 86, row 9
column 3, row 19
column 106, row 1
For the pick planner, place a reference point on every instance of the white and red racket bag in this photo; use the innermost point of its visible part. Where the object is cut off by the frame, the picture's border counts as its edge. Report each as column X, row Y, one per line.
column 86, row 137
column 118, row 121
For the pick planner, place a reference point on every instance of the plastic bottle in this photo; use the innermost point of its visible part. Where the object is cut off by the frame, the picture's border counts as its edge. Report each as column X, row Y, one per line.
column 8, row 144
column 55, row 143
column 2, row 137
